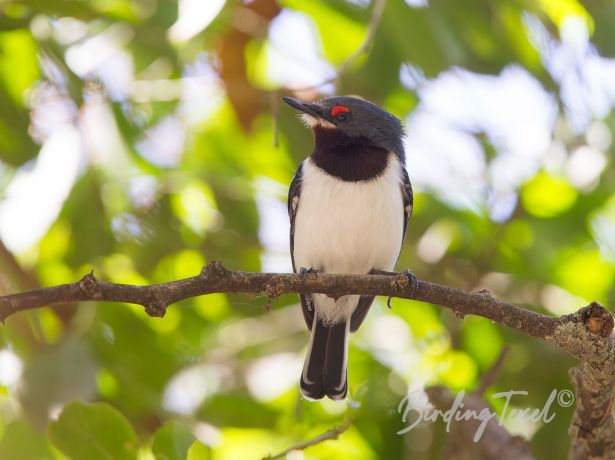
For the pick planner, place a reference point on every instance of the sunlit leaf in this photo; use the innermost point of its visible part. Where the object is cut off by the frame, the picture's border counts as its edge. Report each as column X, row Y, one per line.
column 560, row 10
column 459, row 370
column 548, row 196
column 18, row 51
column 482, row 340
column 585, row 272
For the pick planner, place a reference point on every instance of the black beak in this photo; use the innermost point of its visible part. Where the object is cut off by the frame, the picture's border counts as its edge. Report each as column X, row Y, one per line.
column 305, row 107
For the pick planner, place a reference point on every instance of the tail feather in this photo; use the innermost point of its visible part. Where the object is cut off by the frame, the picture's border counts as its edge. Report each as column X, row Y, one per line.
column 335, row 369
column 324, row 370
column 311, row 377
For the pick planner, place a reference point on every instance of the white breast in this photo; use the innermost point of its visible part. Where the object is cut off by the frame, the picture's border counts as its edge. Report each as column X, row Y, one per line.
column 348, row 227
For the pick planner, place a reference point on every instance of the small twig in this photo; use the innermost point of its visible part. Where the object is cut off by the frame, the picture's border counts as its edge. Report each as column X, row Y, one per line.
column 490, row 376
column 275, row 113
column 372, row 27
column 333, row 433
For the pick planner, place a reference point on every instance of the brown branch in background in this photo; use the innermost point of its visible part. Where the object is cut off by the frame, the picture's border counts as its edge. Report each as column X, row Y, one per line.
column 13, row 276
column 489, row 377
column 23, row 278
column 586, row 334
column 495, row 443
column 333, row 433
column 251, row 20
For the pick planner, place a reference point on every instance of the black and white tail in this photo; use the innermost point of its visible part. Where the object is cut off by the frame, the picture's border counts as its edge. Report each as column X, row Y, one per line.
column 324, row 371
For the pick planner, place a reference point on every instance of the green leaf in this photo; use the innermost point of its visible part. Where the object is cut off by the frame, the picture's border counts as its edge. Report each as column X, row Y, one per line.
column 20, row 441
column 93, row 431
column 198, row 451
column 172, row 441
column 18, row 51
column 482, row 340
column 547, row 196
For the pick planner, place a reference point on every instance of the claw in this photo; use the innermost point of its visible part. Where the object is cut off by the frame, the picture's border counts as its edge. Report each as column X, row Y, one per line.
column 412, row 281
column 308, row 271
column 389, row 302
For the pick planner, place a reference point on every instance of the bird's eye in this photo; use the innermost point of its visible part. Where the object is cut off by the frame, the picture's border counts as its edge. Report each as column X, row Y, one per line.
column 340, row 113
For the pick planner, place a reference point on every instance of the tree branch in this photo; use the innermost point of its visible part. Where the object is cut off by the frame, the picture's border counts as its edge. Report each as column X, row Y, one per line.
column 586, row 334
column 592, row 428
column 495, row 443
column 333, row 433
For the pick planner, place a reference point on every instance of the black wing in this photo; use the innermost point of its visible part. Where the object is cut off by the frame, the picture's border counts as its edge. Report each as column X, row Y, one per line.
column 294, row 193
column 408, row 197
column 293, row 205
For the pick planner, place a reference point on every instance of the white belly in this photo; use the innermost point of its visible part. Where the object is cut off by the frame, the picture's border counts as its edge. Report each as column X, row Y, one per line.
column 348, row 227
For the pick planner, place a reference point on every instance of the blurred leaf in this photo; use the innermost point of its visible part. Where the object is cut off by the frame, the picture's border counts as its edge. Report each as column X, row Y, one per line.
column 16, row 146
column 548, row 196
column 61, row 373
column 459, row 370
column 93, row 431
column 560, row 10
column 19, row 441
column 198, row 451
column 18, row 51
column 172, row 442
column 482, row 341
column 585, row 273
column 244, row 443
column 140, row 360
column 422, row 318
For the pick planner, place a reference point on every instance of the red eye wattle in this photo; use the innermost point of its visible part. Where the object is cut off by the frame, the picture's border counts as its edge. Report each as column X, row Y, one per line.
column 335, row 111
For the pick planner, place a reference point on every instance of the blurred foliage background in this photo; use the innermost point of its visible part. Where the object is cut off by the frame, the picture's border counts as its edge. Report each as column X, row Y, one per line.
column 143, row 138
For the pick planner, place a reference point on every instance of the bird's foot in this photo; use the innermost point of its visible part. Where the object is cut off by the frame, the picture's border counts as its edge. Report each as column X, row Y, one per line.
column 412, row 281
column 411, row 277
column 308, row 271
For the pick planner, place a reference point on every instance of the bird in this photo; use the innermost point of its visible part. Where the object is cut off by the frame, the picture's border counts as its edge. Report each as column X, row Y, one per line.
column 349, row 204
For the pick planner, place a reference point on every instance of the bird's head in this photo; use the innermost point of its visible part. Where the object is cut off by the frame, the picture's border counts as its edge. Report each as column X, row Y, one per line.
column 351, row 118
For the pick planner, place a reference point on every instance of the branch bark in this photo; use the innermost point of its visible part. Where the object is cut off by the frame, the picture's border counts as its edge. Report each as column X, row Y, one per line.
column 587, row 334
